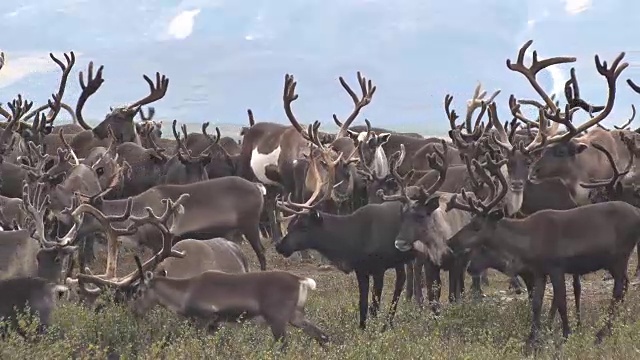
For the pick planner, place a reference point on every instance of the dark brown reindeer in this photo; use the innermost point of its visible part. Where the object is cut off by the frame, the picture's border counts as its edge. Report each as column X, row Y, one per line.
column 554, row 243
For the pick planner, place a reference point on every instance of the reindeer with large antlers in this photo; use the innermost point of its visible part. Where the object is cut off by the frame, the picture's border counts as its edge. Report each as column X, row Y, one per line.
column 164, row 224
column 120, row 120
column 363, row 241
column 567, row 155
column 553, row 243
column 270, row 151
column 17, row 133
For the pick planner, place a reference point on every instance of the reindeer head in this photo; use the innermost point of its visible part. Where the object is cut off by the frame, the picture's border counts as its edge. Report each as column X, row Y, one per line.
column 137, row 284
column 305, row 223
column 622, row 184
column 53, row 256
column 420, row 214
column 121, row 119
column 485, row 218
column 561, row 153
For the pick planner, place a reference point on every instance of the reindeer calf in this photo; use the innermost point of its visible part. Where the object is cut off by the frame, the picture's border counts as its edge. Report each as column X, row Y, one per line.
column 213, row 297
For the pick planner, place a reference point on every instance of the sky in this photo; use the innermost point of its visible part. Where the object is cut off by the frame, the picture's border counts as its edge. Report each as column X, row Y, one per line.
column 223, row 56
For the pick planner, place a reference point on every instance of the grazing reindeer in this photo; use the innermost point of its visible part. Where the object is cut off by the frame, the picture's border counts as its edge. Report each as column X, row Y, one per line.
column 554, row 243
column 216, row 207
column 26, row 252
column 37, row 293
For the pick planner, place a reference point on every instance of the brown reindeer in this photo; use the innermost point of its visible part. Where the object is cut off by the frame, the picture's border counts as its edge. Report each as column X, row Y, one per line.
column 553, row 243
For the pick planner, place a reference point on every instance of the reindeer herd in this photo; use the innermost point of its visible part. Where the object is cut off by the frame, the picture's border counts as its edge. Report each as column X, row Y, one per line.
column 524, row 197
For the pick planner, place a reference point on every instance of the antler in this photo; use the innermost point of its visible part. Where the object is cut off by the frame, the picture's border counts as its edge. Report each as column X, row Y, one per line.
column 617, row 174
column 368, row 89
column 172, row 209
column 475, row 206
column 93, row 84
column 156, row 92
column 626, row 125
column 289, row 95
column 36, row 206
column 55, row 103
column 553, row 113
column 476, row 102
column 150, row 114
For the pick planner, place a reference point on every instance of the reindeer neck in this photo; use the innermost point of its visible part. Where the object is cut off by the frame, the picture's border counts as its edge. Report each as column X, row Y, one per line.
column 171, row 293
column 512, row 236
column 334, row 238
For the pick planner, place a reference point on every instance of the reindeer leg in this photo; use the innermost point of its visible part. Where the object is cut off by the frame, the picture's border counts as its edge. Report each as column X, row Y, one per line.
column 560, row 299
column 270, row 208
column 363, row 305
column 619, row 289
column 433, row 279
column 308, row 327
column 401, row 277
column 253, row 236
column 514, row 284
column 418, row 271
column 637, row 274
column 485, row 277
column 378, row 283
column 409, row 270
column 536, row 309
column 577, row 288
column 112, row 258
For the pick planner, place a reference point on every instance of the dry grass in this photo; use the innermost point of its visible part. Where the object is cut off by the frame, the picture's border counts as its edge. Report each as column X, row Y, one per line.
column 492, row 329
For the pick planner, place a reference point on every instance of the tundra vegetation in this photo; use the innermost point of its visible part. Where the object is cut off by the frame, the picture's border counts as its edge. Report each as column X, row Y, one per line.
column 117, row 242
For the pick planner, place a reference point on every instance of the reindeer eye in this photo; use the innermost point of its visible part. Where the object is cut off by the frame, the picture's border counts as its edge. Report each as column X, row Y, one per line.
column 100, row 171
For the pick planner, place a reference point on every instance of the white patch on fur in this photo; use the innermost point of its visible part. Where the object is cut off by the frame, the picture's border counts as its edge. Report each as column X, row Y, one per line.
column 512, row 200
column 263, row 190
column 582, row 195
column 259, row 162
column 60, row 290
column 306, row 284
column 379, row 164
column 362, row 136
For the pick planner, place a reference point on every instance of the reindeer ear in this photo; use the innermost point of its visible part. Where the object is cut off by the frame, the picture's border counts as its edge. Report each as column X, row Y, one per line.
column 383, row 138
column 581, row 147
column 432, row 203
column 353, row 135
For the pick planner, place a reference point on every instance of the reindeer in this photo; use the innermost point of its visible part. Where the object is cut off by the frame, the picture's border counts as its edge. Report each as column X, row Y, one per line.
column 362, row 241
column 15, row 135
column 271, row 151
column 553, row 243
column 567, row 156
column 120, row 119
column 216, row 207
column 38, row 294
